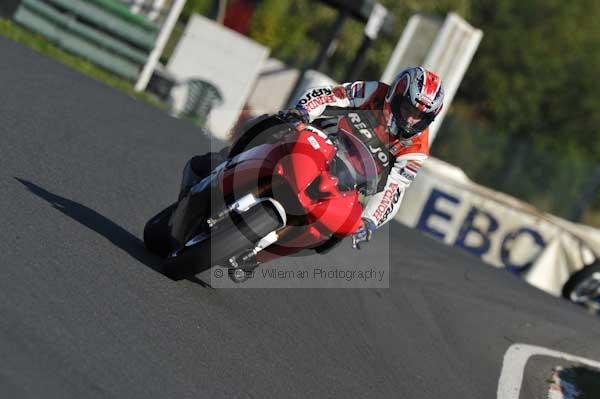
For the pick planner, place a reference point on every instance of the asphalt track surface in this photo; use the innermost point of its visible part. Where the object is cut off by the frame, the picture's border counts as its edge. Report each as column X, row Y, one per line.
column 84, row 314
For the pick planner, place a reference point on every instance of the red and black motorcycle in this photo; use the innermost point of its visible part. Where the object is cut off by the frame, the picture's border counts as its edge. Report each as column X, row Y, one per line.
column 292, row 188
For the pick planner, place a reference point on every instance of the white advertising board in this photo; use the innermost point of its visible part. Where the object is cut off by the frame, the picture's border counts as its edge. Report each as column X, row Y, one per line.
column 501, row 230
column 224, row 58
column 273, row 87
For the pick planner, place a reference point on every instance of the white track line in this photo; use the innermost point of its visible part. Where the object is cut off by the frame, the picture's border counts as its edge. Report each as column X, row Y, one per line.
column 515, row 360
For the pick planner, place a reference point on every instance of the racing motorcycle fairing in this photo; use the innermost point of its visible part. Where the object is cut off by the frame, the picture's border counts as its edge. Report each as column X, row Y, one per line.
column 311, row 182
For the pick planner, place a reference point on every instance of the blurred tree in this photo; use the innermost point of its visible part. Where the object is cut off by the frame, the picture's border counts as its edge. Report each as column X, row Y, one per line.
column 294, row 31
column 533, row 81
column 203, row 7
column 534, row 75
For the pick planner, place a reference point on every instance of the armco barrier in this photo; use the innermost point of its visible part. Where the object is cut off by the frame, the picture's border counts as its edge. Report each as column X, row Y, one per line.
column 102, row 31
column 69, row 22
column 123, row 12
column 503, row 231
column 105, row 19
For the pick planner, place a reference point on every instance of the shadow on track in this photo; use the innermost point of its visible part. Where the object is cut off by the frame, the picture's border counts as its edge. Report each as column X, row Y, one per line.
column 101, row 225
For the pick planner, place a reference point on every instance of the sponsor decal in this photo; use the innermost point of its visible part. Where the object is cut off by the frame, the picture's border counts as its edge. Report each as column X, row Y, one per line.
column 360, row 125
column 320, row 134
column 478, row 232
column 408, row 175
column 371, row 140
column 313, row 142
column 314, row 94
column 391, row 196
column 382, row 156
column 317, row 102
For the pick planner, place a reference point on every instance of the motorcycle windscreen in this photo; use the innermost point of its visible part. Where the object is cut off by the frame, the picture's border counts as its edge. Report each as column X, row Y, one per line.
column 360, row 169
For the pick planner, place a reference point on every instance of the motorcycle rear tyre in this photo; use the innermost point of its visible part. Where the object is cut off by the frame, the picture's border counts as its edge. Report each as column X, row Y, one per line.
column 572, row 286
column 234, row 235
column 156, row 232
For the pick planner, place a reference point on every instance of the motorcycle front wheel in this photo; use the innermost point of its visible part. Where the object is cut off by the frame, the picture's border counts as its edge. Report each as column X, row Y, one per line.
column 583, row 287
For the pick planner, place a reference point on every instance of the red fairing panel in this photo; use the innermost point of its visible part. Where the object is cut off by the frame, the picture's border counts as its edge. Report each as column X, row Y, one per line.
column 337, row 212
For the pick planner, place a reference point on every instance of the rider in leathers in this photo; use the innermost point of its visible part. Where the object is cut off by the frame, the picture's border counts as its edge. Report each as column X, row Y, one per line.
column 399, row 114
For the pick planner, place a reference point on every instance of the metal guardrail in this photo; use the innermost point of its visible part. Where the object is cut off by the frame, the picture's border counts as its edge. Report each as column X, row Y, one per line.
column 102, row 31
column 109, row 21
column 123, row 12
column 69, row 22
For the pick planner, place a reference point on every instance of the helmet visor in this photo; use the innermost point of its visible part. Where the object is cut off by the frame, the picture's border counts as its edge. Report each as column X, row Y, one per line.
column 408, row 121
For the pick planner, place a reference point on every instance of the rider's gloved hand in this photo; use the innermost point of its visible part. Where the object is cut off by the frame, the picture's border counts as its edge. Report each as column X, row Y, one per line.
column 294, row 115
column 364, row 233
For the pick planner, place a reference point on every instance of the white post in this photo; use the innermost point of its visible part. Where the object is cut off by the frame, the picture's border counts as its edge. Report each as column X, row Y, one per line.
column 159, row 46
column 222, row 11
column 391, row 69
column 375, row 21
column 450, row 56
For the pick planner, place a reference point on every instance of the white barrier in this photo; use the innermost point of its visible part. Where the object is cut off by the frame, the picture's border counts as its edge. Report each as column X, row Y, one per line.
column 501, row 230
column 445, row 48
column 272, row 89
column 224, row 58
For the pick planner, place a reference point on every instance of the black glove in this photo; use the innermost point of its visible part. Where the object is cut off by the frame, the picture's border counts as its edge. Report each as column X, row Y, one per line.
column 364, row 233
